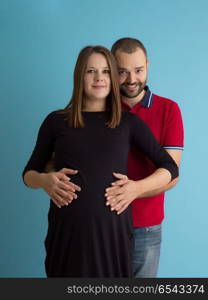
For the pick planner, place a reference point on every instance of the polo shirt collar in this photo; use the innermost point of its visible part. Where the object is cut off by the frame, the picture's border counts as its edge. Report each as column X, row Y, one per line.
column 145, row 102
column 147, row 99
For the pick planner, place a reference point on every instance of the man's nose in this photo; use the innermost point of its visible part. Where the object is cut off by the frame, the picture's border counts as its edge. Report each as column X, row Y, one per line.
column 131, row 77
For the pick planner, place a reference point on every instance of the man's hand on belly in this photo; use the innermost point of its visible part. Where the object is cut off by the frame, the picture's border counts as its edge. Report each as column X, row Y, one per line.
column 122, row 193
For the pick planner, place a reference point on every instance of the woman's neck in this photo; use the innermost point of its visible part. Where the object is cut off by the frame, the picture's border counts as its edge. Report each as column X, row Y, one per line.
column 90, row 105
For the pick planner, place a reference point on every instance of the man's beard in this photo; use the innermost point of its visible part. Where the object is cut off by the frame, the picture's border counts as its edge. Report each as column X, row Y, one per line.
column 137, row 92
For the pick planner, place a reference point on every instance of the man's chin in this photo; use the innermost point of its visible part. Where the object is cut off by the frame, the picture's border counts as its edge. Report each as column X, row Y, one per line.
column 130, row 95
column 133, row 94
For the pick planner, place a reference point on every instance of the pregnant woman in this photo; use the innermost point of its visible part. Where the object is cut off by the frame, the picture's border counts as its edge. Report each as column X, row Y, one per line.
column 85, row 238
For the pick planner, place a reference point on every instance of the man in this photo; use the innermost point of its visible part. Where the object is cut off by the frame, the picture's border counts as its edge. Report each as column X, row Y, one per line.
column 164, row 119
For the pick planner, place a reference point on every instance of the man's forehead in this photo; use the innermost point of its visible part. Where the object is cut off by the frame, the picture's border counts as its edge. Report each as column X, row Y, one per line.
column 127, row 65
column 133, row 60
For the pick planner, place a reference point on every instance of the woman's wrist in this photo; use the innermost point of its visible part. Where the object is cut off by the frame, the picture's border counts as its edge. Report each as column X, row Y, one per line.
column 34, row 179
column 41, row 180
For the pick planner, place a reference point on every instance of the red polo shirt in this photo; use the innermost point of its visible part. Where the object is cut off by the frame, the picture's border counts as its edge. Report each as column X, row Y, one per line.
column 163, row 117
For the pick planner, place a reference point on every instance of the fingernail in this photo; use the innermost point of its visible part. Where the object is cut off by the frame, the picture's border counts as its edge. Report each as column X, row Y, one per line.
column 112, row 208
column 107, row 203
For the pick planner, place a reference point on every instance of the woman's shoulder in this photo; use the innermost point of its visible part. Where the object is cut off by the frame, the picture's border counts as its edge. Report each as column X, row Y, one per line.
column 53, row 118
column 129, row 116
column 133, row 120
column 56, row 114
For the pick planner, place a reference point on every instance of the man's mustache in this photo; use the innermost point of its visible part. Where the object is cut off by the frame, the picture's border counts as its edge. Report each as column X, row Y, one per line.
column 131, row 84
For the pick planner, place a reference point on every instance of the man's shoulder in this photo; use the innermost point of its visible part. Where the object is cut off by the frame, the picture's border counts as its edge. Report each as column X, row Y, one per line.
column 165, row 105
column 163, row 100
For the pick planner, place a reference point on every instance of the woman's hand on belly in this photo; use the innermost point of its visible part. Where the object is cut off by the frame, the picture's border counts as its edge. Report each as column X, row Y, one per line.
column 59, row 186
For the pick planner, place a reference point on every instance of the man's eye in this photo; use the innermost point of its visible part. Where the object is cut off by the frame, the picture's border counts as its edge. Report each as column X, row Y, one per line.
column 138, row 71
column 121, row 72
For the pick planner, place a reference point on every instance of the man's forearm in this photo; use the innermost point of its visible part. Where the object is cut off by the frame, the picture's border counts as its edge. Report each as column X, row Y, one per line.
column 155, row 182
column 158, row 191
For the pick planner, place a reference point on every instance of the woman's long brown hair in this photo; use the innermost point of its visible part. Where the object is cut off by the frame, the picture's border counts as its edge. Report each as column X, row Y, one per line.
column 74, row 108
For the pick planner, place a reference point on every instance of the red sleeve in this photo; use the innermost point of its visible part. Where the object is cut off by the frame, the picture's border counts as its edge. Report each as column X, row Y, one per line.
column 173, row 133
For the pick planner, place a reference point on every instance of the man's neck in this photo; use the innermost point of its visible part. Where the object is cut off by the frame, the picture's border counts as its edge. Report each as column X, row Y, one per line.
column 131, row 102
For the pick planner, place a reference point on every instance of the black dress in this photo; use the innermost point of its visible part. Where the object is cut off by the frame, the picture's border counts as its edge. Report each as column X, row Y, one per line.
column 85, row 238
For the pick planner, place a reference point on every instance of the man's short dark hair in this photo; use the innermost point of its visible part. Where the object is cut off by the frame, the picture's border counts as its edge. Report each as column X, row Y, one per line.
column 128, row 45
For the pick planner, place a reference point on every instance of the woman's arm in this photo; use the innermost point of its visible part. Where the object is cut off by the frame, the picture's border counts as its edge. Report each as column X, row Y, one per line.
column 176, row 155
column 56, row 184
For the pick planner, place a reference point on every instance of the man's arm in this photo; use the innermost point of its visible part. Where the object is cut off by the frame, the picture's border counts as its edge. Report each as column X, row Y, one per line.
column 124, row 190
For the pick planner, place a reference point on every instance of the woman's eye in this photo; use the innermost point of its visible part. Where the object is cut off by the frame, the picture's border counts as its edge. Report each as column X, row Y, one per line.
column 90, row 71
column 106, row 71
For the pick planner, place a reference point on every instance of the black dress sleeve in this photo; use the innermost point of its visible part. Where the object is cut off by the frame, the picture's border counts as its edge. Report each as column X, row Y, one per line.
column 43, row 148
column 143, row 139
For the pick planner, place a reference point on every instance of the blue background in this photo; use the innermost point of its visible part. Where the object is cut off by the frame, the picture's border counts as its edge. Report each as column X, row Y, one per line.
column 39, row 42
